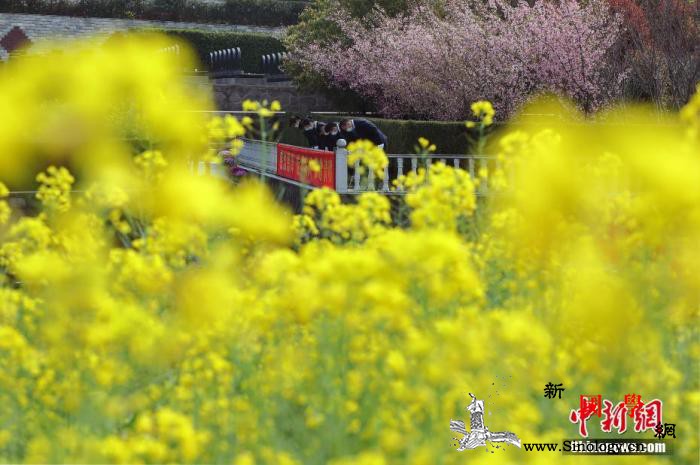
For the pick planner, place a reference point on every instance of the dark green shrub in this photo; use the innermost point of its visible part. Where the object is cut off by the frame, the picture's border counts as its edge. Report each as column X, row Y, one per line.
column 449, row 137
column 252, row 45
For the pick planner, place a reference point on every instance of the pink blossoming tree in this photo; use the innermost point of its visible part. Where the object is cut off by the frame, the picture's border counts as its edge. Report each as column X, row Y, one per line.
column 429, row 65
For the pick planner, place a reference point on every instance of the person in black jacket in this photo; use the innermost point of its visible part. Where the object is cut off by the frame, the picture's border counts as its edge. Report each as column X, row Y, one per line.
column 294, row 121
column 324, row 138
column 311, row 131
column 356, row 129
column 333, row 134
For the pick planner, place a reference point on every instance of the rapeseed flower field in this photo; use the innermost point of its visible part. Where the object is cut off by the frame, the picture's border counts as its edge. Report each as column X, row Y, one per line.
column 148, row 315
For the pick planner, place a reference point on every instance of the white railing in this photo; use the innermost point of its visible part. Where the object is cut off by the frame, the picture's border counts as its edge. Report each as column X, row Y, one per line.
column 402, row 164
column 217, row 170
column 260, row 157
column 256, row 156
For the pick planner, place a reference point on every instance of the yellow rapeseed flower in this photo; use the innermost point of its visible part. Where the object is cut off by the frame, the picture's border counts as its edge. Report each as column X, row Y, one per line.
column 201, row 322
column 369, row 155
column 314, row 166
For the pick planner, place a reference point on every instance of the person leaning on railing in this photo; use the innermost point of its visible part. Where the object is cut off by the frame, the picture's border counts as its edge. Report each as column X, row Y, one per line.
column 356, row 129
column 313, row 131
column 359, row 129
column 296, row 123
column 326, row 141
column 310, row 128
column 333, row 134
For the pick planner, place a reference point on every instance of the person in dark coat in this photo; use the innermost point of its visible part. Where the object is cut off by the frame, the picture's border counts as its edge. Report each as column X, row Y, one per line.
column 294, row 121
column 360, row 128
column 356, row 129
column 323, row 137
column 333, row 131
column 312, row 131
column 299, row 123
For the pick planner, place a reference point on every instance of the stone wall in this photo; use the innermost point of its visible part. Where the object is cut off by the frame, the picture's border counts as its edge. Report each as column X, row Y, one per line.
column 229, row 94
column 43, row 30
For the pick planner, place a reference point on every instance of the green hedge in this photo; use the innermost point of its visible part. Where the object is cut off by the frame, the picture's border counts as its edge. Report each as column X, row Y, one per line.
column 449, row 137
column 251, row 12
column 253, row 46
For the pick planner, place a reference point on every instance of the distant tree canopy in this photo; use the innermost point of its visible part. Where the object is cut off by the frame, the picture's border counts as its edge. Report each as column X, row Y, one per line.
column 658, row 49
column 315, row 27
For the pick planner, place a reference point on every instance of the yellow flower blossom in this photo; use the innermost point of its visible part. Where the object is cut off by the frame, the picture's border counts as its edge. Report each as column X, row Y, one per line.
column 179, row 319
column 314, row 166
column 55, row 187
column 244, row 458
column 484, row 111
column 369, row 155
column 249, row 105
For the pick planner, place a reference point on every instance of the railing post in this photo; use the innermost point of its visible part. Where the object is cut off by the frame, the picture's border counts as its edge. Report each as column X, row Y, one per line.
column 341, row 166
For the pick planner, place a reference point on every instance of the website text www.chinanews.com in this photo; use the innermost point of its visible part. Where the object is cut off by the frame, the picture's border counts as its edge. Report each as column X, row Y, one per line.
column 602, row 447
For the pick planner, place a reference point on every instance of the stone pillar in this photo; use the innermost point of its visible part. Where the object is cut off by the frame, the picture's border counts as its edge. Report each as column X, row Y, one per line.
column 341, row 166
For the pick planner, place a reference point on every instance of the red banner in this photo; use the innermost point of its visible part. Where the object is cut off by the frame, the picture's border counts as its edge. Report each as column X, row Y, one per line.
column 296, row 163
